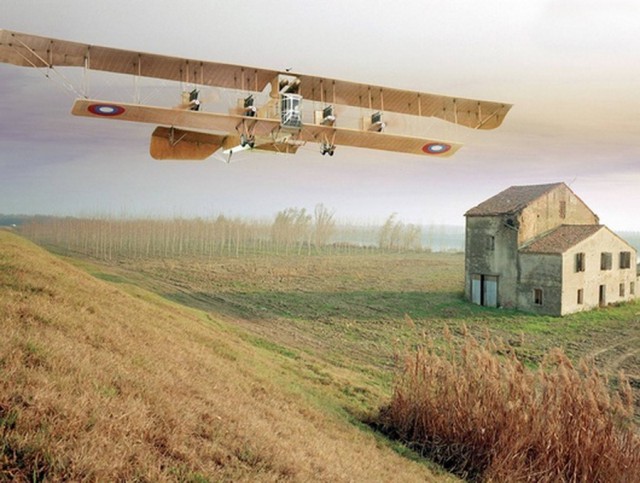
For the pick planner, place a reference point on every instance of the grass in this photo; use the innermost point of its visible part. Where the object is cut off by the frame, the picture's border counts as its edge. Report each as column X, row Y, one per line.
column 107, row 381
column 351, row 311
column 322, row 332
column 488, row 418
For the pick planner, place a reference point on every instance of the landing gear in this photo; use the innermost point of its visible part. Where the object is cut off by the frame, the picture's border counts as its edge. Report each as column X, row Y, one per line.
column 327, row 148
column 247, row 141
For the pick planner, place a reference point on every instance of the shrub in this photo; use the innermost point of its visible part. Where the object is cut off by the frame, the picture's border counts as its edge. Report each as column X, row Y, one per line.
column 487, row 417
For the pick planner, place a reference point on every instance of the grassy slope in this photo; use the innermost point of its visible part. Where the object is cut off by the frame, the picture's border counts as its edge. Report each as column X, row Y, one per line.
column 106, row 382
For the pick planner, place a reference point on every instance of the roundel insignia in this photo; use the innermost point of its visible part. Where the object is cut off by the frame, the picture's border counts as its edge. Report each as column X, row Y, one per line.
column 436, row 148
column 106, row 109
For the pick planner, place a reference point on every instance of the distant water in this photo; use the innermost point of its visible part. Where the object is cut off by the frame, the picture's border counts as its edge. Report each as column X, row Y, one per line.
column 437, row 238
column 632, row 238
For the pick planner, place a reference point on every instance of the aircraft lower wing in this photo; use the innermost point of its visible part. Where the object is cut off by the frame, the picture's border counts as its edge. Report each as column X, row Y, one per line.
column 379, row 140
column 224, row 130
column 166, row 116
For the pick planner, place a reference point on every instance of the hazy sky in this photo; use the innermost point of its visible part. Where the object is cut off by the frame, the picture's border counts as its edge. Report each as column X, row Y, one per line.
column 570, row 67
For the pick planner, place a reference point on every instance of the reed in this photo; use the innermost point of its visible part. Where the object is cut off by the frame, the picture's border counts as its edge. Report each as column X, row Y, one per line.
column 481, row 413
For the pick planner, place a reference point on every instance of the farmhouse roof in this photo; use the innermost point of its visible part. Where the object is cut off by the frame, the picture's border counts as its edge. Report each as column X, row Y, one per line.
column 511, row 200
column 561, row 239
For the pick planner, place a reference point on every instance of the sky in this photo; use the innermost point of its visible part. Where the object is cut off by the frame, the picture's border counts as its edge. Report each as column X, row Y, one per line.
column 569, row 67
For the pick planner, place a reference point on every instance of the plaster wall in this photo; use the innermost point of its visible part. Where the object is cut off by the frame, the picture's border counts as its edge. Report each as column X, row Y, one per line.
column 590, row 280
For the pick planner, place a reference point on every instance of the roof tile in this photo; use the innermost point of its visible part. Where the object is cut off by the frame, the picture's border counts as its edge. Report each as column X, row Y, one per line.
column 561, row 239
column 511, row 200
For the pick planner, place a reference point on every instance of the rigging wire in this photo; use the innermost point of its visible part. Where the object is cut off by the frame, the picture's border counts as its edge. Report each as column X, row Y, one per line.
column 66, row 83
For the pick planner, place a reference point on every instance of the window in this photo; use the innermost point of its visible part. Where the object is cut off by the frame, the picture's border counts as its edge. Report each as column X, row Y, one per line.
column 491, row 243
column 625, row 260
column 622, row 290
column 632, row 288
column 537, row 296
column 580, row 265
column 580, row 296
column 605, row 261
column 563, row 209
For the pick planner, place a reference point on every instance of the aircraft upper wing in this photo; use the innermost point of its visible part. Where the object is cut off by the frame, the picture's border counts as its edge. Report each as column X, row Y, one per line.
column 34, row 51
column 466, row 112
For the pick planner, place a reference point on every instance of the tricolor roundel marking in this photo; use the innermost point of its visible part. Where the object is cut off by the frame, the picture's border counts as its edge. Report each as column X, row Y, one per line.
column 106, row 109
column 436, row 148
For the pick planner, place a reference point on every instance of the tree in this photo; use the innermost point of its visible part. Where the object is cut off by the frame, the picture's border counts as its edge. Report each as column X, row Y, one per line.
column 290, row 227
column 385, row 238
column 323, row 226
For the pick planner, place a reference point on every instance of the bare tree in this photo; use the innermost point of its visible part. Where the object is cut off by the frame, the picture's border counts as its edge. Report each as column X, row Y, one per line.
column 385, row 238
column 323, row 226
column 411, row 238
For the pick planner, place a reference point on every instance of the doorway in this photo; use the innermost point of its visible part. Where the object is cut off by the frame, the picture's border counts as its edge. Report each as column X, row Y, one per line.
column 484, row 290
column 603, row 295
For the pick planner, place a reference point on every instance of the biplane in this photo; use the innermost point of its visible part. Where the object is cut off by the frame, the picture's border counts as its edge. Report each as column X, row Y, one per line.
column 296, row 108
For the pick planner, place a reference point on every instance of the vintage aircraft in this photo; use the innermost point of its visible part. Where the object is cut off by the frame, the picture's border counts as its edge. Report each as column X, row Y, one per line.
column 280, row 124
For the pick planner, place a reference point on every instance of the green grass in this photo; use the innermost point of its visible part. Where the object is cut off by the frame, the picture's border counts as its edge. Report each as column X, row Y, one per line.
column 270, row 346
column 359, row 311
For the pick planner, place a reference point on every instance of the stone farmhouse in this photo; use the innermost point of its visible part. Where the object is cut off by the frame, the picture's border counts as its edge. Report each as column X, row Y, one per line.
column 541, row 249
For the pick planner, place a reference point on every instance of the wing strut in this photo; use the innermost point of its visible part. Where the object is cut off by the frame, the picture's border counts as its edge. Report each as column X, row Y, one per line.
column 66, row 83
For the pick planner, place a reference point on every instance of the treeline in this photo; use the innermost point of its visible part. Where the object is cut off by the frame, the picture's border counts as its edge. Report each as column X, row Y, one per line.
column 292, row 231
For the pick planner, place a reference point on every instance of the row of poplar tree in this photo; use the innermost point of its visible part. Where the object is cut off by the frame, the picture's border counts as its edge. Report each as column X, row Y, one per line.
column 293, row 231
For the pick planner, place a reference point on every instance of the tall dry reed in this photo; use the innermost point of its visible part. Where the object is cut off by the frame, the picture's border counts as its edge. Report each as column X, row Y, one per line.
column 489, row 418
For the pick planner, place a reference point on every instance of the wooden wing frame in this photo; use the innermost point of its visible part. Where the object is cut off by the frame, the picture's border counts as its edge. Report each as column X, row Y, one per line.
column 42, row 52
column 216, row 130
column 35, row 51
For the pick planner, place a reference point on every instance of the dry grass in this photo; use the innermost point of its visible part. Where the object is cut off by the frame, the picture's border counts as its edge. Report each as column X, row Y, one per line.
column 97, row 384
column 489, row 418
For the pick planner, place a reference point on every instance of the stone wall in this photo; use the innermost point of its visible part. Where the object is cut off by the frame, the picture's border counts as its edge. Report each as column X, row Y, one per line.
column 544, row 272
column 545, row 214
column 500, row 261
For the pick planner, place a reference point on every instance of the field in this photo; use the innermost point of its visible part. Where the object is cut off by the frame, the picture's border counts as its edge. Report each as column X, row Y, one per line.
column 300, row 344
column 361, row 311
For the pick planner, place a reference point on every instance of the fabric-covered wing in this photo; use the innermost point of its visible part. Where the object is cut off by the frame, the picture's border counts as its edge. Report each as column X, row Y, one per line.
column 466, row 112
column 267, row 130
column 34, row 51
column 379, row 140
column 204, row 121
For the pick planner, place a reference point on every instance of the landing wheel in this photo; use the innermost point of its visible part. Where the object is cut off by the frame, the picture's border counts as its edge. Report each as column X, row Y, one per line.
column 327, row 149
column 247, row 141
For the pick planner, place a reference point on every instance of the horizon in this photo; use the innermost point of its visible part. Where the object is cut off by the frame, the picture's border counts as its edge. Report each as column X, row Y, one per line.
column 567, row 69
